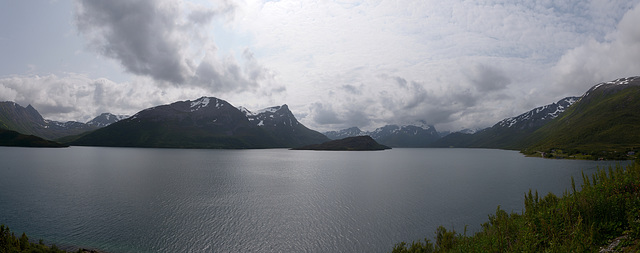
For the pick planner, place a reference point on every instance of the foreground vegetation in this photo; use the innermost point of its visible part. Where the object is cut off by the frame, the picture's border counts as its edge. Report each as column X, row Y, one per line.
column 9, row 242
column 606, row 208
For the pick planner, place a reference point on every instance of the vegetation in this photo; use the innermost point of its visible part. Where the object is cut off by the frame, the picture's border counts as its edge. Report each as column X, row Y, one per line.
column 603, row 124
column 606, row 208
column 9, row 242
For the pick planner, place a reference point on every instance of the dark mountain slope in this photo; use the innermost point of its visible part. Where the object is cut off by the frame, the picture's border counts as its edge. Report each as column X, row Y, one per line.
column 28, row 121
column 344, row 133
column 105, row 119
column 207, row 122
column 409, row 136
column 15, row 139
column 357, row 143
column 280, row 122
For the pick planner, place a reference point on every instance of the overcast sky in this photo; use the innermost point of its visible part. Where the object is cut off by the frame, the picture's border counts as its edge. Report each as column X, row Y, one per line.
column 454, row 64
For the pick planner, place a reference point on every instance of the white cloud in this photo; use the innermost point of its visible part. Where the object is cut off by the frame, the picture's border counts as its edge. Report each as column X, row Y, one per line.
column 463, row 63
column 77, row 97
column 456, row 64
column 595, row 61
column 169, row 41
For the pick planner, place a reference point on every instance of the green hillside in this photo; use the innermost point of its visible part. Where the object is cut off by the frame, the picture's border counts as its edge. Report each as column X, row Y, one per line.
column 604, row 123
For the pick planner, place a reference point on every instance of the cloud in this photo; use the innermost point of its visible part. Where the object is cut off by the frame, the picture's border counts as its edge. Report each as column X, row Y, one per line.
column 594, row 62
column 144, row 36
column 168, row 41
column 80, row 98
column 486, row 78
column 455, row 64
column 324, row 114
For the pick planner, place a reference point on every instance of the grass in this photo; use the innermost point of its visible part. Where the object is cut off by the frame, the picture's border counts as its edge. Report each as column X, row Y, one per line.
column 607, row 207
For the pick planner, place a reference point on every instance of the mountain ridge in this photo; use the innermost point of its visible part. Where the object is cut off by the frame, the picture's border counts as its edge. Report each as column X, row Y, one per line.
column 605, row 122
column 206, row 122
column 28, row 121
column 394, row 135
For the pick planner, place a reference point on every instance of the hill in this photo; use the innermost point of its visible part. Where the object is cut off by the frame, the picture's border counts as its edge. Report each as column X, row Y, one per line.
column 357, row 143
column 509, row 133
column 27, row 120
column 207, row 122
column 280, row 122
column 15, row 139
column 605, row 122
column 418, row 135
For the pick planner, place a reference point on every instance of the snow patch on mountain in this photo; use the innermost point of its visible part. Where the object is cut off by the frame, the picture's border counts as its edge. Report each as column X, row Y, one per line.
column 269, row 110
column 245, row 111
column 619, row 81
column 546, row 112
column 105, row 119
column 201, row 103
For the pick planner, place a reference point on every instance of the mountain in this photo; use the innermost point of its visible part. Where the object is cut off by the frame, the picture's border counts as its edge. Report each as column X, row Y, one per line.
column 509, row 133
column 280, row 122
column 606, row 119
column 29, row 121
column 356, row 143
column 15, row 139
column 105, row 119
column 410, row 136
column 344, row 133
column 417, row 135
column 207, row 122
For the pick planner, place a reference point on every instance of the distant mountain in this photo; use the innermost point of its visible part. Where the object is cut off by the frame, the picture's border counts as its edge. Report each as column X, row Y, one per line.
column 280, row 122
column 207, row 122
column 28, row 121
column 356, row 143
column 509, row 133
column 605, row 119
column 15, row 139
column 349, row 132
column 418, row 135
column 410, row 136
column 105, row 119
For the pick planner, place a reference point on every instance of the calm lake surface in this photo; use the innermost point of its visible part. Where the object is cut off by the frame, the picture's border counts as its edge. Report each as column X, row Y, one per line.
column 173, row 200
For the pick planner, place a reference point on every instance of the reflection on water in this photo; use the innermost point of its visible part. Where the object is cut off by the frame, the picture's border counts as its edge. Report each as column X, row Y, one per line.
column 168, row 200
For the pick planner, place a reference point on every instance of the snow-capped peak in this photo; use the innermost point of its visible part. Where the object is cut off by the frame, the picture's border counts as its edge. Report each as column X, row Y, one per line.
column 245, row 111
column 200, row 103
column 619, row 81
column 550, row 111
column 418, row 123
column 269, row 109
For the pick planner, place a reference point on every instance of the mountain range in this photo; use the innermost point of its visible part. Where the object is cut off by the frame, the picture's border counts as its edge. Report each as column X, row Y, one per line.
column 28, row 121
column 419, row 135
column 207, row 122
column 603, row 122
column 509, row 133
column 604, row 119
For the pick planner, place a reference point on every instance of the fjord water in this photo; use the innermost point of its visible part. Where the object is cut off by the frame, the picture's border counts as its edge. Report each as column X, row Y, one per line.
column 183, row 200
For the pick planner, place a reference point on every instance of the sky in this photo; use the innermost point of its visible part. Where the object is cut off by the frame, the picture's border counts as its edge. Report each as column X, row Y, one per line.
column 453, row 64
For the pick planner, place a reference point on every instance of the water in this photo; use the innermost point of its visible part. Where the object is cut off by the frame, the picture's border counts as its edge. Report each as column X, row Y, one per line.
column 169, row 200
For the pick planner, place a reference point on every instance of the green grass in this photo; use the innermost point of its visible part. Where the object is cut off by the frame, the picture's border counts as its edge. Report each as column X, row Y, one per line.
column 607, row 206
